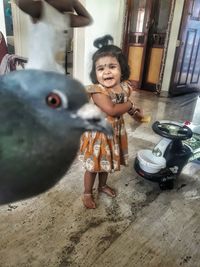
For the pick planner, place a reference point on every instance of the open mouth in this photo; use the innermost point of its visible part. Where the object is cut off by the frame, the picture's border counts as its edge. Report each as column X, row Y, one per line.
column 108, row 79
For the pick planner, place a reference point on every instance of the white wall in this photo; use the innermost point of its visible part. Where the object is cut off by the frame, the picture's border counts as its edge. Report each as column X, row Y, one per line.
column 108, row 19
column 2, row 20
column 21, row 24
column 172, row 45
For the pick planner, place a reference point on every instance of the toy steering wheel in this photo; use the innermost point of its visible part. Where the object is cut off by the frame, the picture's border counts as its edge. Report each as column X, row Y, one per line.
column 172, row 130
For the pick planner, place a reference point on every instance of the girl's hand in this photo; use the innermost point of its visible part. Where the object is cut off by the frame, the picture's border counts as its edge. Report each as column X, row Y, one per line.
column 136, row 114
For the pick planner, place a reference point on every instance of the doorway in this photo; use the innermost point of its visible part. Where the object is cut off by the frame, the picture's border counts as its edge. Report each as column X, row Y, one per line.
column 9, row 26
column 145, row 32
column 186, row 72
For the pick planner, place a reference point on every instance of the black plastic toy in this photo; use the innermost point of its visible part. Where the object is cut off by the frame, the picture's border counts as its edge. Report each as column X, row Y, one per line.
column 179, row 145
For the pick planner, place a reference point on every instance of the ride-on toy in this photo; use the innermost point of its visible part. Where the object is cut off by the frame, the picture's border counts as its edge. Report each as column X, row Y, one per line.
column 179, row 145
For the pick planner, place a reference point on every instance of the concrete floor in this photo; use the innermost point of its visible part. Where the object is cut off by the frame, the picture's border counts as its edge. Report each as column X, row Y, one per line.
column 142, row 226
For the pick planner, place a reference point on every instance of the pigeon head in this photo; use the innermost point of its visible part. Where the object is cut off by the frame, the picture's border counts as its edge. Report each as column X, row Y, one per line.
column 42, row 116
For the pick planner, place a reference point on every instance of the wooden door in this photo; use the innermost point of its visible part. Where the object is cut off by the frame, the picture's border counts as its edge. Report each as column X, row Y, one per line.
column 145, row 31
column 135, row 39
column 186, row 72
column 155, row 43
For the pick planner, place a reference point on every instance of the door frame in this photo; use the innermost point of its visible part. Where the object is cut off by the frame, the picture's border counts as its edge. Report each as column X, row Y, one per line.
column 178, row 48
column 2, row 19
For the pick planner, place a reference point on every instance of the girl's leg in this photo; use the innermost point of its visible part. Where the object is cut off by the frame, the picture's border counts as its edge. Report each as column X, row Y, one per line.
column 88, row 200
column 103, row 187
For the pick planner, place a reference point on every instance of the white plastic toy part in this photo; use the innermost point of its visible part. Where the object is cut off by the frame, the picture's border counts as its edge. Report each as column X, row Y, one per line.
column 149, row 162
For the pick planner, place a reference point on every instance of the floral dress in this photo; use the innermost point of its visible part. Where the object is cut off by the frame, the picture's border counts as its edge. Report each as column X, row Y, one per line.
column 100, row 152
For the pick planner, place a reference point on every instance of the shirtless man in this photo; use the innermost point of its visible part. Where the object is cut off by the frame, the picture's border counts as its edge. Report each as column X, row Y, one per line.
column 76, row 12
column 80, row 18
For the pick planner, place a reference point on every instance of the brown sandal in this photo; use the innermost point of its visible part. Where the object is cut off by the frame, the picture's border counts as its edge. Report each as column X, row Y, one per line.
column 88, row 201
column 107, row 190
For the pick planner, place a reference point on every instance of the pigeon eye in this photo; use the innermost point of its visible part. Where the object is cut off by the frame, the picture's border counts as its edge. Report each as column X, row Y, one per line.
column 53, row 100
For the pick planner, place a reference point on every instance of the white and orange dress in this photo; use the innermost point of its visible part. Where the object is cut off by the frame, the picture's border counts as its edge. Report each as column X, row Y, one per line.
column 100, row 152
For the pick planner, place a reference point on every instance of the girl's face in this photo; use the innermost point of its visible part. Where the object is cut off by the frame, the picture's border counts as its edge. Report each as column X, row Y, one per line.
column 108, row 71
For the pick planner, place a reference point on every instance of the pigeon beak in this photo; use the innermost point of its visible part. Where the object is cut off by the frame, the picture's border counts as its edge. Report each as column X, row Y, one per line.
column 94, row 119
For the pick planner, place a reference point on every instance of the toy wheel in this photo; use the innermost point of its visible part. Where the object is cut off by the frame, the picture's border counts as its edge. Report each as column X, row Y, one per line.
column 167, row 185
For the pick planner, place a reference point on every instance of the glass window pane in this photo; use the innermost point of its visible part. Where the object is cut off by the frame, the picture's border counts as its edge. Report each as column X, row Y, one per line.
column 138, row 20
column 163, row 15
column 187, row 56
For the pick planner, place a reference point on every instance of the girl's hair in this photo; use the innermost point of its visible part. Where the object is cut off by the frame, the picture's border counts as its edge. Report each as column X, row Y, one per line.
column 106, row 49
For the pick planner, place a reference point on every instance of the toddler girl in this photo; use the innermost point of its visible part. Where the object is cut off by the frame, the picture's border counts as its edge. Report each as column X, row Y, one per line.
column 102, row 154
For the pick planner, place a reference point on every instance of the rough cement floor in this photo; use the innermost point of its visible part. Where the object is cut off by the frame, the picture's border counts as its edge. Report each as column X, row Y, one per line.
column 142, row 226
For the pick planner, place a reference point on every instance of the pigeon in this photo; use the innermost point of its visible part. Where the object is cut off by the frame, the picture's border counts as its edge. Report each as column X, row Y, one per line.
column 42, row 116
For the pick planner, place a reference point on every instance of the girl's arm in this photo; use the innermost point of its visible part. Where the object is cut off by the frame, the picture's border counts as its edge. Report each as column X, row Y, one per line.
column 136, row 114
column 107, row 106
